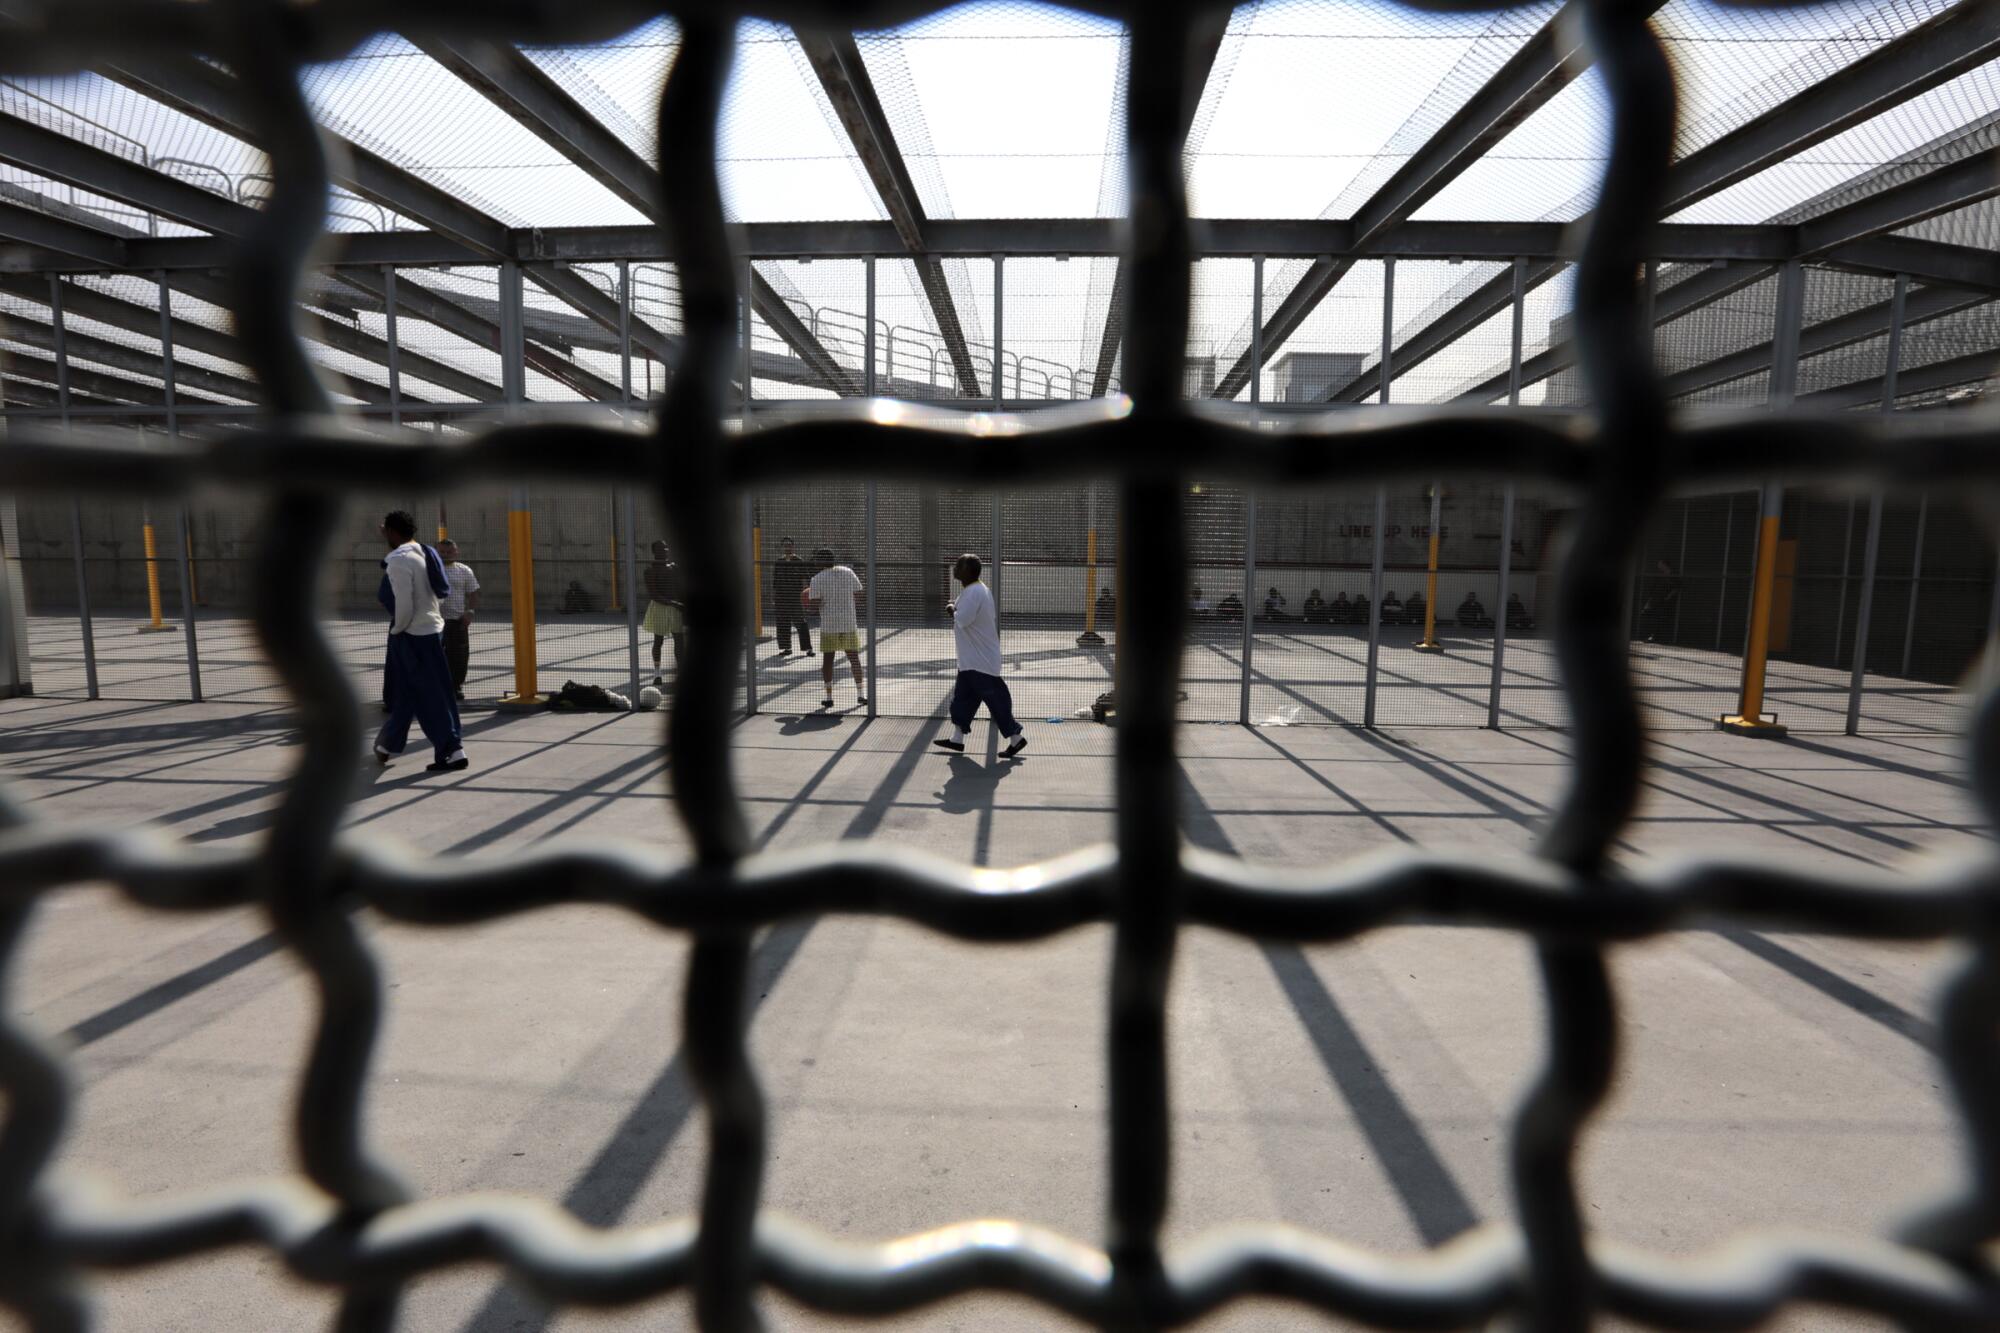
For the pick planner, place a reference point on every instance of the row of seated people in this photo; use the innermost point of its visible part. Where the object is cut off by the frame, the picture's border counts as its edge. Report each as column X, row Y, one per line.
column 1342, row 610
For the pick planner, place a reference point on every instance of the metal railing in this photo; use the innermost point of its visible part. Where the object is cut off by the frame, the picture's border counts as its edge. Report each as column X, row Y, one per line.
column 352, row 1223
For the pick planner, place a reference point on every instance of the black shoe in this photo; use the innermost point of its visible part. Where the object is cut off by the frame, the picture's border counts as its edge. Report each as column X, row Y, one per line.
column 383, row 757
column 825, row 704
column 461, row 696
column 956, row 747
column 448, row 766
column 860, row 701
column 1015, row 746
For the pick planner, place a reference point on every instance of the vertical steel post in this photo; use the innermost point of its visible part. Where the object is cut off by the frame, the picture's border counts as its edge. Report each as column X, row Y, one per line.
column 1249, row 601
column 1257, row 332
column 868, row 363
column 1381, row 505
column 1502, row 592
column 632, row 601
column 749, row 315
column 1680, row 572
column 75, row 505
column 999, row 609
column 873, row 701
column 1840, row 601
column 625, row 340
column 749, row 631
column 1872, row 544
column 389, row 337
column 1916, row 582
column 520, row 519
column 1988, row 665
column 186, row 528
column 999, row 310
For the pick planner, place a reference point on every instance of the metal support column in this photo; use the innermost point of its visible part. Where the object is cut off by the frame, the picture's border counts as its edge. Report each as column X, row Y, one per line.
column 1381, row 505
column 75, row 505
column 173, row 432
column 1748, row 720
column 1501, row 593
column 747, row 317
column 1916, row 582
column 1871, row 546
column 999, row 350
column 1988, row 665
column 1257, row 333
column 1840, row 598
column 874, row 700
column 625, row 338
column 868, row 351
column 749, row 631
column 1249, row 602
column 395, row 364
column 632, row 601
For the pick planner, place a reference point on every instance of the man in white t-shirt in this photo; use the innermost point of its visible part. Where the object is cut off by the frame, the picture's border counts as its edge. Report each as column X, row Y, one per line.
column 419, row 679
column 975, row 632
column 832, row 593
column 457, row 609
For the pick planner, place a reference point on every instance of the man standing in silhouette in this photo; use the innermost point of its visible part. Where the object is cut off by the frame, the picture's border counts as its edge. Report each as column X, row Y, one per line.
column 975, row 632
column 788, row 580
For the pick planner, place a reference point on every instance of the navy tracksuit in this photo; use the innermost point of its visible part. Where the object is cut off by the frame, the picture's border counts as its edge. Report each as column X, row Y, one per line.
column 416, row 678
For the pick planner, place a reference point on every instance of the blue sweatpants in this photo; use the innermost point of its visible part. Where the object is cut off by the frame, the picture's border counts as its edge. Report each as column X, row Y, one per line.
column 420, row 688
column 975, row 688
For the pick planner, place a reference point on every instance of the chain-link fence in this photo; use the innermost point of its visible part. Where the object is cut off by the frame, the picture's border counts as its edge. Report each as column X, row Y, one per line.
column 1184, row 485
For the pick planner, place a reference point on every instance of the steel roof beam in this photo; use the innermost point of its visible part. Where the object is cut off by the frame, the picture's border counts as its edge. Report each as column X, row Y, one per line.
column 844, row 75
column 49, row 234
column 1932, row 53
column 1926, row 261
column 517, row 86
column 1969, row 369
column 1211, row 27
column 1546, row 64
column 103, row 384
column 207, row 94
column 1926, row 56
column 1969, row 180
column 1922, row 305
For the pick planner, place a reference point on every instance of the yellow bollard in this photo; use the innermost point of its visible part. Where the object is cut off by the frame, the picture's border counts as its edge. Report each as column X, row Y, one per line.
column 1430, row 643
column 521, row 590
column 1749, row 719
column 152, row 577
column 442, row 533
column 1090, row 638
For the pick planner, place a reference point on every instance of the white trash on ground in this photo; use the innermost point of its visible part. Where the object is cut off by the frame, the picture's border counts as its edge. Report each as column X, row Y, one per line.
column 1288, row 716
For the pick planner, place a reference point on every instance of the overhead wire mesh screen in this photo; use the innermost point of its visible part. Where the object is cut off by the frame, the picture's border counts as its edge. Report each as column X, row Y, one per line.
column 1184, row 482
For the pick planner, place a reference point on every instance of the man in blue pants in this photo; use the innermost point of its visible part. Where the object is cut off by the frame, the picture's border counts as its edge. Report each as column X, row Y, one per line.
column 419, row 677
column 975, row 631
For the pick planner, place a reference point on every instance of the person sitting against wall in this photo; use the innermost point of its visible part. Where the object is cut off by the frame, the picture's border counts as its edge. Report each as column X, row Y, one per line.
column 1274, row 606
column 1392, row 608
column 1357, row 611
column 1472, row 613
column 1107, row 607
column 1340, row 611
column 1314, row 611
column 1518, row 619
column 1231, row 608
column 1199, row 604
column 1413, row 610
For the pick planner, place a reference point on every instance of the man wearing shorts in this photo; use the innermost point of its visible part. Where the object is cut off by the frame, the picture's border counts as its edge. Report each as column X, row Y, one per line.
column 975, row 632
column 832, row 592
column 663, row 606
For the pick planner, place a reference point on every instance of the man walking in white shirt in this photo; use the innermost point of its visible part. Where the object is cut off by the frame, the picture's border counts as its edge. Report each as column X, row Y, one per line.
column 975, row 632
column 457, row 609
column 420, row 680
column 833, row 591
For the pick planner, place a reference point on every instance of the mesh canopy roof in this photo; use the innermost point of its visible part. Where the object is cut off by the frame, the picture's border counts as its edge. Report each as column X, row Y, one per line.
column 1310, row 109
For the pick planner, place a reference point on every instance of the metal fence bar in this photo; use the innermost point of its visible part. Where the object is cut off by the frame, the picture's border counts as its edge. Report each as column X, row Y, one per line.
column 1871, row 546
column 56, row 323
column 1503, row 592
column 634, row 594
column 1916, row 582
column 1249, row 603
column 168, row 397
column 868, row 389
column 389, row 338
column 874, row 686
column 1369, row 685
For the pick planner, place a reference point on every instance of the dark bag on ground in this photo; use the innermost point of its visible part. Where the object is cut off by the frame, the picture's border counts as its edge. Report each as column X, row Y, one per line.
column 575, row 698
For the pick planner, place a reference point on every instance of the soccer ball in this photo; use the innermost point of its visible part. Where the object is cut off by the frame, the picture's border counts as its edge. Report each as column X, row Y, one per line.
column 649, row 698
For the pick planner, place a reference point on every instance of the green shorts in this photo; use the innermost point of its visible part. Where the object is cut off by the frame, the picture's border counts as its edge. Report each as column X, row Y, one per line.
column 661, row 620
column 848, row 642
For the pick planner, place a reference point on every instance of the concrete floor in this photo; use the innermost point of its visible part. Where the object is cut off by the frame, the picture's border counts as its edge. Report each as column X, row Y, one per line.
column 1360, row 1090
column 1318, row 671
